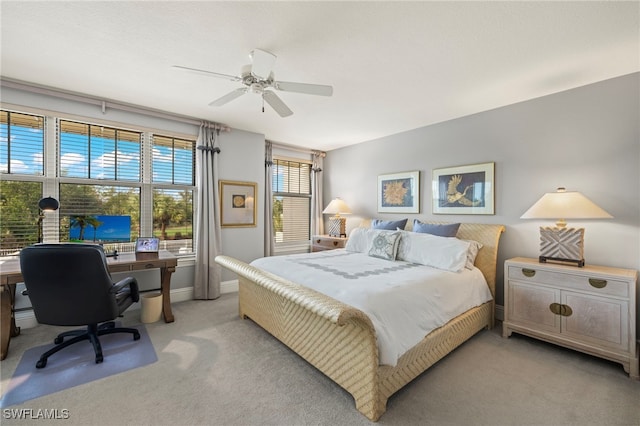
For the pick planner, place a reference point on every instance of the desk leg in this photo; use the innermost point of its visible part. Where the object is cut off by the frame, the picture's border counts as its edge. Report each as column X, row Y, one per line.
column 165, row 287
column 8, row 328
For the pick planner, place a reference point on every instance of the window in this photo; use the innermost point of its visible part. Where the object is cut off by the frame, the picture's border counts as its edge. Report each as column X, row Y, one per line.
column 291, row 188
column 98, row 152
column 113, row 184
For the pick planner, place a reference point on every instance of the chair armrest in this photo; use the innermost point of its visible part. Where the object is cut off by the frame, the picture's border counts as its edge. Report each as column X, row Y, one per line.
column 130, row 282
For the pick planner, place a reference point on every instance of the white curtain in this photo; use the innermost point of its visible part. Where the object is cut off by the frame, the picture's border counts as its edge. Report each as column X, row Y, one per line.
column 268, row 200
column 317, row 221
column 208, row 232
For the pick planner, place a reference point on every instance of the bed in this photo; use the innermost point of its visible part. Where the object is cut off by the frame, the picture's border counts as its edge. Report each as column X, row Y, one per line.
column 340, row 340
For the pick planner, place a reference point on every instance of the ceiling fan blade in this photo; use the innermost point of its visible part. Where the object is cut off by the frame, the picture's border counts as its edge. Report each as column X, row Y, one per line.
column 229, row 97
column 277, row 104
column 262, row 63
column 207, row 73
column 309, row 89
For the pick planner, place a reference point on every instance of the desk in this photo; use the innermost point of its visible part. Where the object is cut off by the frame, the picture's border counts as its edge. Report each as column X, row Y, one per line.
column 10, row 275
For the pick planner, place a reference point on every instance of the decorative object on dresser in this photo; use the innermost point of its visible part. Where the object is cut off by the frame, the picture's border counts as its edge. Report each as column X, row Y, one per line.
column 560, row 243
column 464, row 189
column 337, row 224
column 399, row 193
column 592, row 309
column 327, row 242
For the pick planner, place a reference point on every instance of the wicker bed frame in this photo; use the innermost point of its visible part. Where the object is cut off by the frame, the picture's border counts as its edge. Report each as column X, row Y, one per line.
column 340, row 340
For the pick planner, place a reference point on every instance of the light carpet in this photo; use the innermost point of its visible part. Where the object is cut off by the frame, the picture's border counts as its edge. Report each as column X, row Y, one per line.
column 215, row 368
column 75, row 365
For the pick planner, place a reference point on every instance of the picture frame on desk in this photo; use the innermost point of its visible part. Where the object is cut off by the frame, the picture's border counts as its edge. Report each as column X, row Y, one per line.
column 147, row 248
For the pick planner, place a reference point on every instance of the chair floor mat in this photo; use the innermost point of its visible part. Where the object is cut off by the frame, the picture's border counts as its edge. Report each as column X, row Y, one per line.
column 75, row 365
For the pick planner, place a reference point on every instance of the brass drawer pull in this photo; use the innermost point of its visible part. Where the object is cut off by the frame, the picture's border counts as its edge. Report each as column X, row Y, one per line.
column 566, row 311
column 528, row 272
column 335, row 243
column 597, row 283
column 318, row 241
column 558, row 309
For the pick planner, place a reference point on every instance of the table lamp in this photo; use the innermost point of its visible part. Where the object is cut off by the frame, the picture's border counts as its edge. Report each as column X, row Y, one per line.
column 45, row 204
column 560, row 243
column 337, row 224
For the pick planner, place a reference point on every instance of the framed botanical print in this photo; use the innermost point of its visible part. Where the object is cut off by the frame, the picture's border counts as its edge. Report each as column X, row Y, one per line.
column 399, row 193
column 238, row 204
column 464, row 189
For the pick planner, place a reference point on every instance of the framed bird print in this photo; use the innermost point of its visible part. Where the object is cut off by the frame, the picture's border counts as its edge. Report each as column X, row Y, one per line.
column 464, row 189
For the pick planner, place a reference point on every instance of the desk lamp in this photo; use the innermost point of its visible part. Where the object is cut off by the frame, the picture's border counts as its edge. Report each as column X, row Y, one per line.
column 45, row 204
column 561, row 243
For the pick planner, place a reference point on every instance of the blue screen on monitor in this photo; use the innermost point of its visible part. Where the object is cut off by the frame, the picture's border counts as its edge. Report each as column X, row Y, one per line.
column 108, row 228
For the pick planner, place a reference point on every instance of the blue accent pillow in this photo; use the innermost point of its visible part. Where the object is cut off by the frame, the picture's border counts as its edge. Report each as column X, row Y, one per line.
column 441, row 230
column 390, row 225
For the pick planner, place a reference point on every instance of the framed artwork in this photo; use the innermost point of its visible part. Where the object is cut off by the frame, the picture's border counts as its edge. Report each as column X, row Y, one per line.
column 399, row 193
column 147, row 245
column 237, row 204
column 464, row 189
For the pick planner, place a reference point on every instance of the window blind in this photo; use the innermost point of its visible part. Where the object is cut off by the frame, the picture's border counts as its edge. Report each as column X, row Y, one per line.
column 291, row 188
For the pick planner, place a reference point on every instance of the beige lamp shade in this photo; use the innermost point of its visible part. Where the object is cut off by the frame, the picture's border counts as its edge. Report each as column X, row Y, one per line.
column 561, row 243
column 337, row 207
column 563, row 204
column 337, row 224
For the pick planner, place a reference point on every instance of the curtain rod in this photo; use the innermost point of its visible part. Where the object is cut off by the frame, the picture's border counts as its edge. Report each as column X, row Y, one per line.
column 298, row 149
column 103, row 103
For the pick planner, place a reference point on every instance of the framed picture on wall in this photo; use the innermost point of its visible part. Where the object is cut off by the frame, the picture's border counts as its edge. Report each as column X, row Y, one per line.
column 464, row 189
column 238, row 204
column 399, row 193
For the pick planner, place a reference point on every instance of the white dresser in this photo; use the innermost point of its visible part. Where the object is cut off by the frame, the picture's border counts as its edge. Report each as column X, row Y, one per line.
column 591, row 309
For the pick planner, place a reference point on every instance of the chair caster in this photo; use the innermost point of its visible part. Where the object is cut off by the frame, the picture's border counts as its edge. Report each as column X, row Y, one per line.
column 136, row 336
column 58, row 340
column 99, row 359
column 42, row 363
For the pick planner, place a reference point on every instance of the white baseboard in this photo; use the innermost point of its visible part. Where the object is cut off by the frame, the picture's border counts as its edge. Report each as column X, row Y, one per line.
column 27, row 319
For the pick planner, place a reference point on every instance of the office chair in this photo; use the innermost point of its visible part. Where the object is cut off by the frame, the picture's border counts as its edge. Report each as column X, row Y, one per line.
column 70, row 285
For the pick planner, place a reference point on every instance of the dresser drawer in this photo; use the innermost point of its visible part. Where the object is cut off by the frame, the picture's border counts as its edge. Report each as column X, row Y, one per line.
column 592, row 283
column 324, row 242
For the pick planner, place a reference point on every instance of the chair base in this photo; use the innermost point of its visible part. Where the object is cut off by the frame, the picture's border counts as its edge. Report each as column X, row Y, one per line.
column 91, row 333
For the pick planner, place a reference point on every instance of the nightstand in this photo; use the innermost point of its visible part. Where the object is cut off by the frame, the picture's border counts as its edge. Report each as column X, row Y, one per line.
column 590, row 309
column 326, row 242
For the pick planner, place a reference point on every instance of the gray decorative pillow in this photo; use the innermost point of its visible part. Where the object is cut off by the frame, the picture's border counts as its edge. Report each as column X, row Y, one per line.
column 384, row 245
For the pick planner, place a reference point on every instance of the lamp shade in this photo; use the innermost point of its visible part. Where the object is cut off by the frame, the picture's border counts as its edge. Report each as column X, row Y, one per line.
column 565, row 205
column 48, row 203
column 337, row 207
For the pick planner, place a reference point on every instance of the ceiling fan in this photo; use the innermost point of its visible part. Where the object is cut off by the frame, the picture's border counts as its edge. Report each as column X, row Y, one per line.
column 258, row 78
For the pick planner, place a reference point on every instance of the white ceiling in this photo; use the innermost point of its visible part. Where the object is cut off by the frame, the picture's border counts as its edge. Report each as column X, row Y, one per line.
column 394, row 66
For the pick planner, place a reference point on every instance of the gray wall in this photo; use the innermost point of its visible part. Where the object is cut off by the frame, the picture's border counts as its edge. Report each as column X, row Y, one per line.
column 586, row 139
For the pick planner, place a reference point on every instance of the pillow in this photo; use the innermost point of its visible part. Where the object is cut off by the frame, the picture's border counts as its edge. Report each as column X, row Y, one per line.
column 390, row 225
column 447, row 253
column 358, row 240
column 384, row 245
column 472, row 253
column 442, row 230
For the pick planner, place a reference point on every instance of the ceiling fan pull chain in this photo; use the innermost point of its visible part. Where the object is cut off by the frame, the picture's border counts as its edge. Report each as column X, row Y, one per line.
column 262, row 104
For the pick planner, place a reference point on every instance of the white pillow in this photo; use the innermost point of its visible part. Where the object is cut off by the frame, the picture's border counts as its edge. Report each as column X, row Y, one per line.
column 472, row 253
column 448, row 253
column 357, row 241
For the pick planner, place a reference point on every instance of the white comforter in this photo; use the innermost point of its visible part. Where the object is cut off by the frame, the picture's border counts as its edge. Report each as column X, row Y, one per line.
column 405, row 301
